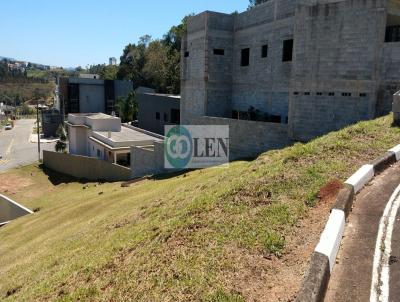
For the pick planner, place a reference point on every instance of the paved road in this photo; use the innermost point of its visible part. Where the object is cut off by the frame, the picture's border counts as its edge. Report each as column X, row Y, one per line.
column 368, row 263
column 16, row 148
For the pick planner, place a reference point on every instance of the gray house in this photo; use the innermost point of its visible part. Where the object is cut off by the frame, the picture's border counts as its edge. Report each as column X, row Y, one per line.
column 290, row 70
column 157, row 110
column 87, row 95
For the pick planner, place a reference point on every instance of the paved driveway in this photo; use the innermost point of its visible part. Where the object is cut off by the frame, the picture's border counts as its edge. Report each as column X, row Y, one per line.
column 16, row 148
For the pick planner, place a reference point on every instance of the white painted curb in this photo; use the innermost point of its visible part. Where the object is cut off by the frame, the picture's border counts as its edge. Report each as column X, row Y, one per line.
column 359, row 179
column 396, row 151
column 332, row 234
column 329, row 241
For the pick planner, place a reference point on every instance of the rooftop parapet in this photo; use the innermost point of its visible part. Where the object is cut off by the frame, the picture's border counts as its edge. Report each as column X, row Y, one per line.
column 95, row 121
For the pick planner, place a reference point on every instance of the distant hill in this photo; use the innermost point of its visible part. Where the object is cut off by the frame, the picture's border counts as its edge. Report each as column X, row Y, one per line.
column 6, row 58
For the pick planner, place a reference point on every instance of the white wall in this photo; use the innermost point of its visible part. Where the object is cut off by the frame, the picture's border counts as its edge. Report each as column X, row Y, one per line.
column 77, row 139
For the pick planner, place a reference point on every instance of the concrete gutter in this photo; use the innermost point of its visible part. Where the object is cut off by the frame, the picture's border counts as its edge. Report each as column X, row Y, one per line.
column 10, row 210
column 315, row 283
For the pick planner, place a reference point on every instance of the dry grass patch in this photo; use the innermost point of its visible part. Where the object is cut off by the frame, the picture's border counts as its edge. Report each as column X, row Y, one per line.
column 243, row 233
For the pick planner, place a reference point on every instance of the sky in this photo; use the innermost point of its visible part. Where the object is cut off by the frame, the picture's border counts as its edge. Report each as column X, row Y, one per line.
column 71, row 33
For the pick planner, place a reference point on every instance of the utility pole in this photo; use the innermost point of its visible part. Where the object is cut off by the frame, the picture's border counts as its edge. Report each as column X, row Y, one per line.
column 38, row 127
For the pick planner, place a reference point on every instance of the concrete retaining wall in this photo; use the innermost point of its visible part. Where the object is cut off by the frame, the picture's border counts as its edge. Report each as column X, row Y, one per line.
column 396, row 108
column 249, row 138
column 85, row 167
column 147, row 160
column 10, row 210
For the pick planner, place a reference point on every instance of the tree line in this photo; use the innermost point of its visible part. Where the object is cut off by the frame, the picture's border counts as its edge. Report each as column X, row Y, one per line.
column 16, row 75
column 151, row 62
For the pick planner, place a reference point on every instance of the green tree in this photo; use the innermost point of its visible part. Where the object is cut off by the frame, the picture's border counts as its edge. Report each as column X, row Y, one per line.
column 131, row 65
column 109, row 72
column 127, row 108
column 61, row 144
column 154, row 63
column 155, row 68
column 174, row 36
column 256, row 2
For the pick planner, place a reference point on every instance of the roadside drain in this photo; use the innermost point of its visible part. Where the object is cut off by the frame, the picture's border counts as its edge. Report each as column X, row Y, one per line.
column 10, row 210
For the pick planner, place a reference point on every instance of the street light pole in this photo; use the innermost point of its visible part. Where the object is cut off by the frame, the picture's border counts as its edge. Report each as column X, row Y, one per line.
column 38, row 128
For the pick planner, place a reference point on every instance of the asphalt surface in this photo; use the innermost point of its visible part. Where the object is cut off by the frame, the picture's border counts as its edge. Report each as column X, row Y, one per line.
column 357, row 274
column 15, row 147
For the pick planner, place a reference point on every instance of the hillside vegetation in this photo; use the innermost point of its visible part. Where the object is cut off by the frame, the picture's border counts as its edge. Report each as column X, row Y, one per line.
column 22, row 92
column 242, row 233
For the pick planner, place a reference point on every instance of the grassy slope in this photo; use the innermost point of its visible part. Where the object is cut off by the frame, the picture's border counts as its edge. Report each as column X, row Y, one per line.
column 37, row 73
column 174, row 239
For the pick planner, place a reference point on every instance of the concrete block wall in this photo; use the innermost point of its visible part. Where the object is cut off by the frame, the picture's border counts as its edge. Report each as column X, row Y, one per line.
column 336, row 51
column 218, row 73
column 390, row 77
column 396, row 108
column 249, row 138
column 215, row 85
column 264, row 84
column 147, row 160
column 193, row 68
column 317, row 115
column 342, row 71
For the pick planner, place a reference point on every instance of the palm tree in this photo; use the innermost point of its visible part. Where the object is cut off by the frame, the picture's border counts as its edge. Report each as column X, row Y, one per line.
column 127, row 107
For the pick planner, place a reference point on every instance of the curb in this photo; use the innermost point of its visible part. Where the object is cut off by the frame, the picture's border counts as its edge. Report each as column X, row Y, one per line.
column 316, row 281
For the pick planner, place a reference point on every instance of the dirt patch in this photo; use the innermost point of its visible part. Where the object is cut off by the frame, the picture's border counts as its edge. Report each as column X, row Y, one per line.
column 270, row 278
column 12, row 184
column 330, row 191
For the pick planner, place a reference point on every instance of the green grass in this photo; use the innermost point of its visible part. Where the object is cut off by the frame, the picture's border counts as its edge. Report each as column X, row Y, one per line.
column 37, row 73
column 182, row 238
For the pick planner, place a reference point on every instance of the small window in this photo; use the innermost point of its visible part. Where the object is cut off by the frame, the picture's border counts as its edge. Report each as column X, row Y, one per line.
column 235, row 114
column 219, row 52
column 307, row 93
column 363, row 95
column 296, row 93
column 165, row 117
column 245, row 57
column 287, row 50
column 331, row 94
column 346, row 94
column 264, row 51
column 157, row 115
column 175, row 116
column 98, row 153
column 186, row 54
column 319, row 93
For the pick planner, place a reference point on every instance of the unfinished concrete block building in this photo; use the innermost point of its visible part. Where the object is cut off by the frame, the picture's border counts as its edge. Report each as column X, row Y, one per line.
column 290, row 70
